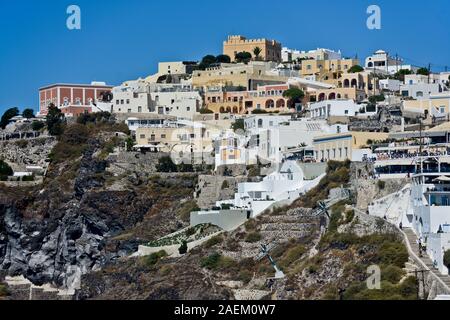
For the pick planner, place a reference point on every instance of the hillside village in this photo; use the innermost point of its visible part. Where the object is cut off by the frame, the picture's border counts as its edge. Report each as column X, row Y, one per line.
column 262, row 172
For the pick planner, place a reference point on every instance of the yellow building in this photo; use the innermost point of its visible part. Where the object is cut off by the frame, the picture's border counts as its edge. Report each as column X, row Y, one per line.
column 343, row 146
column 326, row 68
column 269, row 98
column 436, row 105
column 246, row 76
column 270, row 49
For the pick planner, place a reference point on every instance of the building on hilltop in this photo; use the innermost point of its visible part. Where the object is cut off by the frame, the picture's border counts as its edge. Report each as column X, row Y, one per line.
column 270, row 49
column 72, row 99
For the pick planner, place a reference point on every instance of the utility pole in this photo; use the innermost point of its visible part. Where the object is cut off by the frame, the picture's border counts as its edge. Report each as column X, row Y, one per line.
column 429, row 71
column 396, row 61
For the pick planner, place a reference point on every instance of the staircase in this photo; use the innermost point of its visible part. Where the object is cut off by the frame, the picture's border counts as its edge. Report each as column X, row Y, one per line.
column 412, row 240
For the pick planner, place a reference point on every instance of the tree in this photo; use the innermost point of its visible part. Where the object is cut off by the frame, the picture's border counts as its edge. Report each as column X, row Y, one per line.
column 37, row 125
column 244, row 57
column 257, row 51
column 400, row 75
column 376, row 98
column 5, row 169
column 183, row 248
column 165, row 164
column 55, row 120
column 207, row 61
column 238, row 125
column 28, row 113
column 355, row 69
column 223, row 58
column 8, row 115
column 423, row 71
column 447, row 259
column 295, row 95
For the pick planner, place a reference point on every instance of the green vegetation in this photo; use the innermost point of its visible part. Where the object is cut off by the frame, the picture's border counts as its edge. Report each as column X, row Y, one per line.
column 245, row 276
column 243, row 57
column 216, row 261
column 355, row 69
column 381, row 184
column 400, row 75
column 7, row 116
column 71, row 144
column 28, row 113
column 37, row 125
column 447, row 259
column 291, row 255
column 259, row 111
column 253, row 237
column 214, row 241
column 376, row 98
column 153, row 259
column 295, row 95
column 257, row 52
column 5, row 171
column 205, row 111
column 28, row 178
column 165, row 164
column 210, row 59
column 55, row 120
column 423, row 71
column 407, row 290
column 338, row 173
column 184, row 211
column 225, row 185
column 238, row 125
column 183, row 249
column 3, row 291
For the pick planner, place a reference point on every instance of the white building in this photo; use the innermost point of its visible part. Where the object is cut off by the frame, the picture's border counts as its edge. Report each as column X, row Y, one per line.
column 289, row 55
column 381, row 61
column 391, row 85
column 334, row 108
column 140, row 97
column 284, row 185
column 264, row 121
column 420, row 91
column 273, row 142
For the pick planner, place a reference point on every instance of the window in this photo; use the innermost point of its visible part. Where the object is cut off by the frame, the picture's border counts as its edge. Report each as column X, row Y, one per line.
column 139, row 109
column 129, row 110
column 163, row 136
column 346, row 111
column 121, row 101
column 188, row 108
column 142, row 136
column 128, row 101
column 442, row 109
column 152, row 137
column 419, row 94
column 346, row 152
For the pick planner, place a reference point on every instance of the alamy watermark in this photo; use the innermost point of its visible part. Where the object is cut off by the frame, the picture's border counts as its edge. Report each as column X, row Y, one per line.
column 374, row 280
column 374, row 19
column 73, row 22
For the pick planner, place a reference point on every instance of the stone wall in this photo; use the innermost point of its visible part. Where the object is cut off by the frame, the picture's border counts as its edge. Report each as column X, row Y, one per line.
column 22, row 153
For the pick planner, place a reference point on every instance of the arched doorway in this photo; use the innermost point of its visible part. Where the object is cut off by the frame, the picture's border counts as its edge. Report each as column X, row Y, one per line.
column 321, row 96
column 346, row 83
column 235, row 109
column 332, row 96
column 281, row 103
column 354, row 83
column 270, row 103
column 222, row 110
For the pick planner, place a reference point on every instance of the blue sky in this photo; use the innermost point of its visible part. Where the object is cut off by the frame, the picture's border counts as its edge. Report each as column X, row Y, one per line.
column 124, row 39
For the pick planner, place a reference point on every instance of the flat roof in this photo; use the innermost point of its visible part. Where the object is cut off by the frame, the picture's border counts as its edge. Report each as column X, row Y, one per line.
column 75, row 85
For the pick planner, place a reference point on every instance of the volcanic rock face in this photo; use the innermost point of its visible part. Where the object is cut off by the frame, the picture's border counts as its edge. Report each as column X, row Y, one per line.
column 54, row 235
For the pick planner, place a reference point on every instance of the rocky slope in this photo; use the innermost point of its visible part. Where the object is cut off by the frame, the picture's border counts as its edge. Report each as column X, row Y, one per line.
column 74, row 223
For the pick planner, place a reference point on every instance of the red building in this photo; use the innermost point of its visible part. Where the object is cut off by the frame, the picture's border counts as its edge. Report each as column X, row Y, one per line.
column 72, row 98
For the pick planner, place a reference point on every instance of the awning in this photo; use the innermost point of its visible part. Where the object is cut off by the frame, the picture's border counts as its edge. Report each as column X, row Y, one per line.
column 442, row 179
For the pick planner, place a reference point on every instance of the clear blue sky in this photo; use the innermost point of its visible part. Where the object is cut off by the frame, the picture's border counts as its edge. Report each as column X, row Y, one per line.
column 124, row 39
